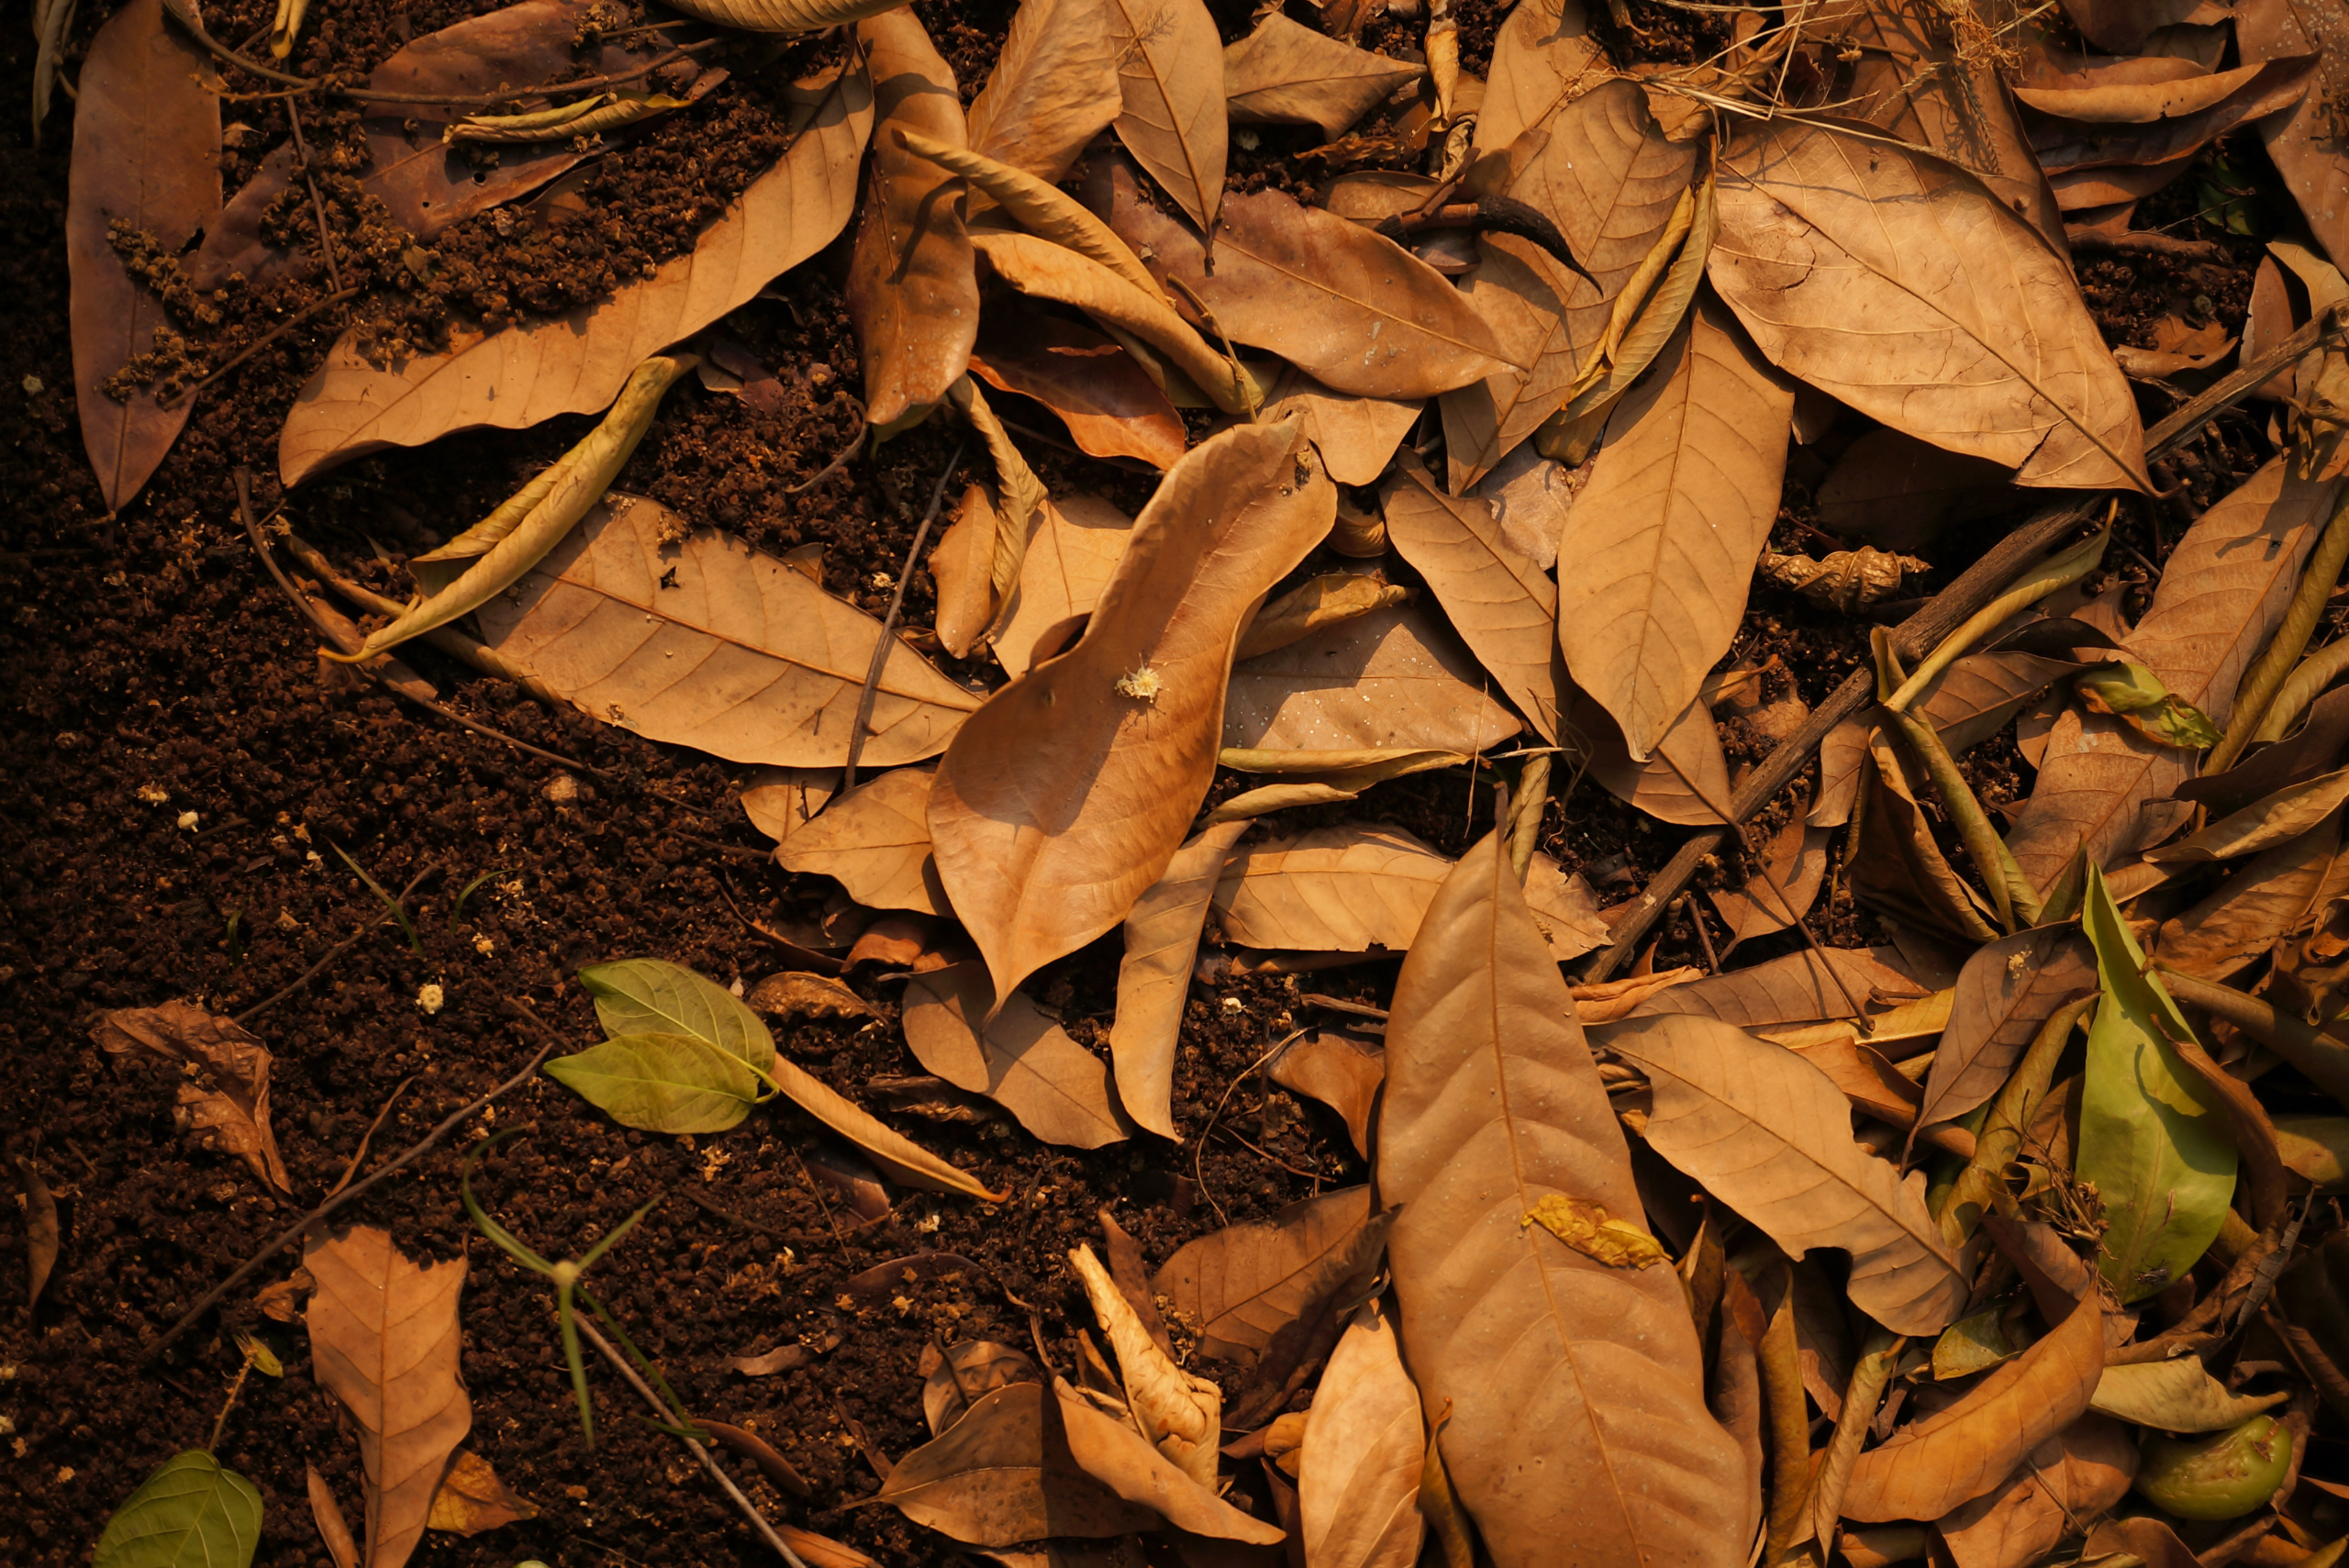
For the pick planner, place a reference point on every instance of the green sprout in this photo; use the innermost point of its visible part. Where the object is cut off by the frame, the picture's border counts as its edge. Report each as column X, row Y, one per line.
column 568, row 1289
column 399, row 912
column 458, row 913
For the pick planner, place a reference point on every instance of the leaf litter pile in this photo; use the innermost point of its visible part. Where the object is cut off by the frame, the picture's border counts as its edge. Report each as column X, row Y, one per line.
column 1107, row 782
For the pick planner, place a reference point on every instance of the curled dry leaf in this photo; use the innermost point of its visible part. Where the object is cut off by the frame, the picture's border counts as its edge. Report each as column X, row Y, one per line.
column 576, row 362
column 785, row 15
column 2076, row 1474
column 1239, row 1286
column 42, row 1236
column 1354, row 311
column 874, row 842
column 147, row 156
column 1348, row 889
column 1162, row 937
column 1931, row 1466
column 1109, row 403
column 472, row 1499
column 1492, row 1104
column 1503, row 606
column 1796, row 988
column 739, row 656
column 1061, row 801
column 1054, row 88
column 798, row 995
column 967, row 1371
column 1172, row 116
column 1343, row 1074
column 226, row 1100
column 913, row 291
column 1180, row 1413
column 1316, row 603
column 1358, row 1486
column 385, row 1339
column 1013, row 1054
column 1851, row 581
column 2005, row 992
column 334, row 1530
column 1680, row 504
column 2177, row 1395
column 1285, row 73
column 1902, row 285
column 2303, row 142
column 1392, row 678
column 1769, row 1133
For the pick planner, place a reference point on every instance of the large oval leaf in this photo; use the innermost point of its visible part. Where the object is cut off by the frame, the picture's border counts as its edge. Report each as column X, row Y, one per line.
column 1061, row 801
column 1576, row 1391
column 192, row 1512
column 649, row 996
column 661, row 1083
column 1172, row 116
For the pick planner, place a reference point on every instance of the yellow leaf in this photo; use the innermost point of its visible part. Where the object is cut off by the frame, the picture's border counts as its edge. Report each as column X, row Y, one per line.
column 1585, row 1227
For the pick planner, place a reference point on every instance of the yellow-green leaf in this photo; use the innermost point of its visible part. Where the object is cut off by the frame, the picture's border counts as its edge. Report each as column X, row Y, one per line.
column 192, row 1512
column 661, row 1083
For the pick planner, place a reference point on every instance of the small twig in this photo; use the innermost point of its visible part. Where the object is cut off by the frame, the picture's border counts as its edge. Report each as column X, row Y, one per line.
column 888, row 638
column 855, row 445
column 809, row 1177
column 258, row 344
column 220, row 1424
column 544, row 90
column 661, row 1408
column 1267, row 1154
column 318, row 202
column 1704, row 937
column 336, row 952
column 1198, row 1170
column 359, row 1155
column 351, row 1193
column 2147, row 243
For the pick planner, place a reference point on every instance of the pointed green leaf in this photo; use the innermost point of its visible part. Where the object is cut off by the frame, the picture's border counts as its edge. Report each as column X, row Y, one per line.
column 2158, row 1152
column 645, row 995
column 191, row 1513
column 661, row 1083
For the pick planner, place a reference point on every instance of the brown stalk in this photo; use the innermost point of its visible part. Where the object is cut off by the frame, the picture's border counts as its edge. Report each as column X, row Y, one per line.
column 350, row 1194
column 318, row 204
column 336, row 952
column 887, row 640
column 258, row 344
column 1922, row 632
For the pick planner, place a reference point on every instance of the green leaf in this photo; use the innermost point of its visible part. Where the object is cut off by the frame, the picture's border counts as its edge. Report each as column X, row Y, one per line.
column 2135, row 695
column 645, row 995
column 661, row 1083
column 2157, row 1150
column 190, row 1514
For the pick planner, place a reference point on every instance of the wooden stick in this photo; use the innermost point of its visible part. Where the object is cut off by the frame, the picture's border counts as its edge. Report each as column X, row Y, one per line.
column 1923, row 631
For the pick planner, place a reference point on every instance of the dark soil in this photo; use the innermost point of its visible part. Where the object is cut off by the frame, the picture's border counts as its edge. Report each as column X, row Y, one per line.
column 152, row 670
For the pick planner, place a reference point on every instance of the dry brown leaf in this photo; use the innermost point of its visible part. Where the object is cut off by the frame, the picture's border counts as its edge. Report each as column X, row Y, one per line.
column 1341, row 1072
column 1180, row 1414
column 1679, row 506
column 384, row 1339
column 1898, row 284
column 821, row 1550
column 1522, row 291
column 1063, row 799
column 967, row 1369
column 1053, row 88
column 1354, row 311
column 226, row 1098
column 1502, row 604
column 2220, row 597
column 1851, row 581
column 1769, row 1133
column 1316, row 603
column 1170, row 80
column 2005, row 993
column 1899, row 868
column 1351, row 888
column 576, row 362
column 2123, row 27
column 1287, row 73
column 874, row 842
column 1979, row 694
column 2076, row 1474
column 1895, row 492
column 1358, row 1487
column 2262, row 825
column 687, row 634
column 1542, row 56
column 2305, row 143
column 2066, row 147
column 1686, row 780
column 1392, row 678
column 1931, row 1466
column 1357, row 436
column 1110, row 405
column 1002, row 1475
column 1796, row 988
column 1162, row 937
column 472, row 1499
column 781, row 801
column 2276, row 893
column 42, row 1236
column 1242, row 1285
column 798, row 995
column 1492, row 1104
column 1071, row 557
column 146, row 155
column 2176, row 87
column 334, row 1530
column 913, row 288
column 1024, row 1062
column 1773, row 900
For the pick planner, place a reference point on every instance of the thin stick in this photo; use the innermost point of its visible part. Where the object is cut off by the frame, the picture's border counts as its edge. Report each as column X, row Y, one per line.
column 660, row 1408
column 1922, row 632
column 359, row 1155
column 352, row 1193
column 1198, row 1155
column 855, row 445
column 882, row 644
column 258, row 344
column 336, row 952
column 318, row 204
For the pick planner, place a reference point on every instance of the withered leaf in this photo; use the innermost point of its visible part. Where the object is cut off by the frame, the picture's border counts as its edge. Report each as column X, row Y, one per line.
column 385, row 1339
column 1343, row 1074
column 967, row 1371
column 1931, row 1466
column 1284, row 72
column 780, row 801
column 472, row 1499
column 2123, row 27
column 2005, row 993
column 42, row 1236
column 1895, row 492
column 1902, row 285
column 1793, row 989
column 913, row 289
column 1053, row 88
column 1172, row 116
column 227, row 1102
column 2304, row 143
column 1061, row 801
column 1769, row 1134
column 1392, row 678
column 1014, row 1054
column 1351, row 888
column 1851, row 581
column 1358, row 1485
column 1978, row 696
column 2271, row 895
column 1110, row 405
column 798, row 995
column 996, row 1477
column 1354, row 311
column 1522, row 291
column 334, row 1530
column 2259, row 90
column 576, row 362
column 1492, row 1104
column 1179, row 1412
column 146, row 156
column 1240, row 1285
column 1544, row 55
column 1316, row 603
column 687, row 634
column 1357, row 436
column 2263, row 824
column 1781, row 889
column 874, row 842
column 1071, row 555
column 2076, row 1474
column 1686, row 779
column 1663, row 539
column 1162, row 937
